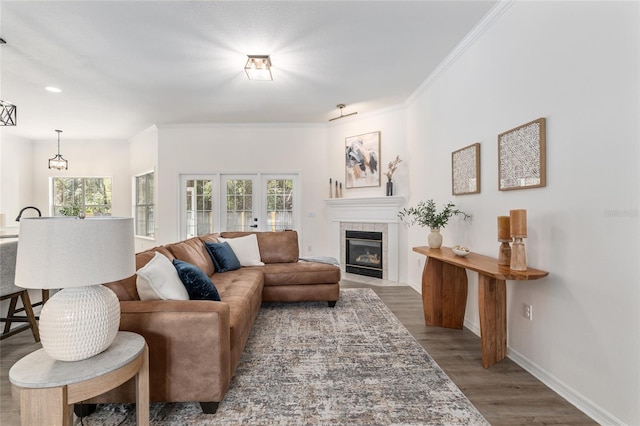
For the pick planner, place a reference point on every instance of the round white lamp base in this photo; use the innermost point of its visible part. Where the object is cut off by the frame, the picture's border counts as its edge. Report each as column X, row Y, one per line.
column 79, row 322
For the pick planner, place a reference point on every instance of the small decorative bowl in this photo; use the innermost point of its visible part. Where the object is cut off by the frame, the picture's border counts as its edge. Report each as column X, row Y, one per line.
column 461, row 251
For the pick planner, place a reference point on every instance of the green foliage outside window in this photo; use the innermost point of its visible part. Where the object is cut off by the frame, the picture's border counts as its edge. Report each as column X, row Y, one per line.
column 199, row 207
column 74, row 195
column 279, row 204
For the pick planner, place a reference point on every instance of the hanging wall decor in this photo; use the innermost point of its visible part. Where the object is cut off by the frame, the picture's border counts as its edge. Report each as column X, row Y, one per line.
column 522, row 157
column 465, row 170
column 362, row 156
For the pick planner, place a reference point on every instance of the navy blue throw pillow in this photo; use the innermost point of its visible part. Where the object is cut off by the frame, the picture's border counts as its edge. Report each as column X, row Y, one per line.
column 223, row 256
column 197, row 283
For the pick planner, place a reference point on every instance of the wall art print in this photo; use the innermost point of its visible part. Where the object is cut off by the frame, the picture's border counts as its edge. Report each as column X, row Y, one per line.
column 465, row 170
column 522, row 157
column 362, row 156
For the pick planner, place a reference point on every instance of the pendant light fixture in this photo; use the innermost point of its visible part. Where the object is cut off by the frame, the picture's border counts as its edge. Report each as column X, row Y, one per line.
column 58, row 162
column 8, row 114
column 341, row 106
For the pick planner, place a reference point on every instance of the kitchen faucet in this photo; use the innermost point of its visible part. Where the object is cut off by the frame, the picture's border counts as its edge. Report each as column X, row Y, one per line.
column 25, row 208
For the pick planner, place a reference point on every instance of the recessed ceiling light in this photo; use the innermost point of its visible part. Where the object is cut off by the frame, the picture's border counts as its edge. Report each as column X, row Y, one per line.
column 52, row 89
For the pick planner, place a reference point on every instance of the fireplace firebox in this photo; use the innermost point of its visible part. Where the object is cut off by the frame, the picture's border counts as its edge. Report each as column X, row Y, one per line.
column 364, row 253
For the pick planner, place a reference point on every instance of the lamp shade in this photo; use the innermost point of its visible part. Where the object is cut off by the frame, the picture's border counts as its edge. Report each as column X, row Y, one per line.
column 76, row 255
column 62, row 252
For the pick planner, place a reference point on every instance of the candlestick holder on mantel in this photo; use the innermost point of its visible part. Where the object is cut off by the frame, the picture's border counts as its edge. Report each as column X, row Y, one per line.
column 518, row 224
column 335, row 191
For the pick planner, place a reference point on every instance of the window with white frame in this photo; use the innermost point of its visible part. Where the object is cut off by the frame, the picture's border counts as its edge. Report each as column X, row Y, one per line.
column 72, row 195
column 144, row 206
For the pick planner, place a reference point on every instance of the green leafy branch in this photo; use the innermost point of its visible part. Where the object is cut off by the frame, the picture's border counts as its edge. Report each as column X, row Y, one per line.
column 426, row 214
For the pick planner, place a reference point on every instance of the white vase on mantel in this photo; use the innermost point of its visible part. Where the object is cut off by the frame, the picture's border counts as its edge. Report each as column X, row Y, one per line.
column 434, row 239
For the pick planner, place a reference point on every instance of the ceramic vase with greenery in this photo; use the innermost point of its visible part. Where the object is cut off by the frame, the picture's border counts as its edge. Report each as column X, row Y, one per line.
column 426, row 214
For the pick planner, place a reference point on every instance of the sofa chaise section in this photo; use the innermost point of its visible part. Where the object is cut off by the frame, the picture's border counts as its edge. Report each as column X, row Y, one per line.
column 286, row 277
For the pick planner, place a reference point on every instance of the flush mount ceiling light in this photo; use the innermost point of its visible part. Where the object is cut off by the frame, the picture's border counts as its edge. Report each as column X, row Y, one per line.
column 8, row 114
column 52, row 89
column 258, row 67
column 58, row 162
column 341, row 106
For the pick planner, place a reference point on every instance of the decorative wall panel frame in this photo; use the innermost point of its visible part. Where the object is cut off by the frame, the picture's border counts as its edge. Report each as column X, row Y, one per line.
column 465, row 170
column 522, row 157
column 362, row 160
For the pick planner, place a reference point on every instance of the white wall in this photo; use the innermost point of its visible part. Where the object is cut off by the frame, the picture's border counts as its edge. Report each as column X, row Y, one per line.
column 93, row 158
column 577, row 64
column 15, row 179
column 393, row 141
column 143, row 158
column 15, row 191
column 202, row 149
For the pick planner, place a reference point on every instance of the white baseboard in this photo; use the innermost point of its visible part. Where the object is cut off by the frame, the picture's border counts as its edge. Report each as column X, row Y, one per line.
column 581, row 402
column 473, row 326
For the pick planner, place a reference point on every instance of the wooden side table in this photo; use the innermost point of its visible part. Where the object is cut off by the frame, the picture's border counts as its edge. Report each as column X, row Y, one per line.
column 444, row 295
column 48, row 387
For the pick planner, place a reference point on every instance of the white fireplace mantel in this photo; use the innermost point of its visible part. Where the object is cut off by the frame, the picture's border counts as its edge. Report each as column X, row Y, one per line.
column 383, row 210
column 365, row 209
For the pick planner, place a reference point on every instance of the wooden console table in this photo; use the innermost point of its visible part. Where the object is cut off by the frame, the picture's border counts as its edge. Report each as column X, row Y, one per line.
column 444, row 295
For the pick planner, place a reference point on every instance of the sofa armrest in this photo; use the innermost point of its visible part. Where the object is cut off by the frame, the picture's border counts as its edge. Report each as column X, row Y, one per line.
column 149, row 306
column 189, row 348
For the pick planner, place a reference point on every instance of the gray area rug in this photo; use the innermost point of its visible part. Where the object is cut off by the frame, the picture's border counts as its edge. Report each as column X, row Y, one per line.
column 306, row 363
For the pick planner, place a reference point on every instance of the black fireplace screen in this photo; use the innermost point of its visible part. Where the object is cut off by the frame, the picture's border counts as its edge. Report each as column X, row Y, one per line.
column 364, row 253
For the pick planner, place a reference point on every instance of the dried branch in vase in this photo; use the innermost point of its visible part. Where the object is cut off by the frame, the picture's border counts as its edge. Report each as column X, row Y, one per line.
column 393, row 166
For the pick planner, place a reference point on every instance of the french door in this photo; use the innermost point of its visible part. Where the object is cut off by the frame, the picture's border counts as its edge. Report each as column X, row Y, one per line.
column 197, row 205
column 240, row 207
column 238, row 202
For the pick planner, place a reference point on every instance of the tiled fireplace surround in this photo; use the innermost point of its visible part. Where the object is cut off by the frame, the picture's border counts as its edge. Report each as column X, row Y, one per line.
column 374, row 214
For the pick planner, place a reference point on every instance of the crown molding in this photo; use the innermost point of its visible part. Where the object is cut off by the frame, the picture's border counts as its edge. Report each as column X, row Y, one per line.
column 481, row 27
column 162, row 126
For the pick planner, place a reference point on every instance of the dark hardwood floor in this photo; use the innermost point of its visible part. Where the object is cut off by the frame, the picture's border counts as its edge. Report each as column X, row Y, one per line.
column 505, row 393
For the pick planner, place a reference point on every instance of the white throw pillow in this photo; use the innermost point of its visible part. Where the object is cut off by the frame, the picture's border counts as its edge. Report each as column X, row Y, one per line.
column 159, row 279
column 246, row 249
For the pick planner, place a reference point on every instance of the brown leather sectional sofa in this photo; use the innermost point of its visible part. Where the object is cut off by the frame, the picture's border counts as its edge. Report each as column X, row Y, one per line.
column 195, row 345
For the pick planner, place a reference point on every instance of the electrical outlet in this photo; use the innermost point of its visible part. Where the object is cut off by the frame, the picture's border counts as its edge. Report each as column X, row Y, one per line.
column 527, row 311
column 309, row 249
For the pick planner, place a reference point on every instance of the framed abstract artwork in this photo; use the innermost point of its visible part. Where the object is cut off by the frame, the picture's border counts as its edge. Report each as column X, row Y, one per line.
column 522, row 157
column 465, row 170
column 362, row 156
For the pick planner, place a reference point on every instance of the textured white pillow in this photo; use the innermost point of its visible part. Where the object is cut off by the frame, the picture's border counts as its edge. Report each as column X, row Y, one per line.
column 159, row 279
column 246, row 249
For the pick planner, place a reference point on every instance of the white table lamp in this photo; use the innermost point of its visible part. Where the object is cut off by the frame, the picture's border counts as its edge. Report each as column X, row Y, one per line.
column 76, row 255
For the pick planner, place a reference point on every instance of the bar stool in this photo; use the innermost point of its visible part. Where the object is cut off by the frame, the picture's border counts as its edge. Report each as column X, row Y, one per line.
column 8, row 290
